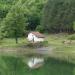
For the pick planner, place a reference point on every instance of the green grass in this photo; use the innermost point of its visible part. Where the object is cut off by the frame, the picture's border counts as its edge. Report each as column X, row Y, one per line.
column 53, row 39
column 10, row 42
column 16, row 66
column 60, row 62
column 61, row 51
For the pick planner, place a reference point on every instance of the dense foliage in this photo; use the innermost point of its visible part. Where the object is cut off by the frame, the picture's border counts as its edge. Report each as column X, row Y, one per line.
column 59, row 16
column 19, row 16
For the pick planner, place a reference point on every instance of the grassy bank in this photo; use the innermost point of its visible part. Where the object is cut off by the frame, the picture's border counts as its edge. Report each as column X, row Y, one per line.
column 61, row 51
column 53, row 39
column 10, row 42
column 15, row 66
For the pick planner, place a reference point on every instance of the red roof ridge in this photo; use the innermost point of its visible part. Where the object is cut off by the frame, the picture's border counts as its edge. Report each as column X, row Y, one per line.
column 38, row 34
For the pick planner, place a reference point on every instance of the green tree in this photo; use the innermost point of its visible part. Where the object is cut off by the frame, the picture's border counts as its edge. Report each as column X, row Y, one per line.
column 5, row 6
column 59, row 16
column 14, row 23
column 33, row 12
column 19, row 16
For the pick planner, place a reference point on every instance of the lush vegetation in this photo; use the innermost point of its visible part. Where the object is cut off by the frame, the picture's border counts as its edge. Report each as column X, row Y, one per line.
column 61, row 50
column 16, row 66
column 17, row 17
column 59, row 16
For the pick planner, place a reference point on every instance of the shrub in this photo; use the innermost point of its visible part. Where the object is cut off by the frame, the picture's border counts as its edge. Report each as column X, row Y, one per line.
column 38, row 44
column 72, row 37
column 40, row 28
column 1, row 40
column 44, row 43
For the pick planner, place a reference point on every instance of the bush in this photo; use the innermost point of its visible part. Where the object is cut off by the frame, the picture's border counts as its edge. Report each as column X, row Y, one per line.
column 1, row 39
column 38, row 44
column 44, row 43
column 40, row 28
column 72, row 37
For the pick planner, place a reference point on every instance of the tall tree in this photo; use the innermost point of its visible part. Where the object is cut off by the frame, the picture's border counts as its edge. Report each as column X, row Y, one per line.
column 21, row 15
column 59, row 16
column 14, row 23
column 33, row 12
column 5, row 6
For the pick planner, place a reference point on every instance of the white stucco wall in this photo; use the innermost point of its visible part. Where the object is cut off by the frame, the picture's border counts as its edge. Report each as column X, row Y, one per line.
column 36, row 39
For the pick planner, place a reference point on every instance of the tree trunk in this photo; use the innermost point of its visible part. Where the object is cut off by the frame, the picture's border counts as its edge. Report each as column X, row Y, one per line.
column 16, row 40
column 16, row 37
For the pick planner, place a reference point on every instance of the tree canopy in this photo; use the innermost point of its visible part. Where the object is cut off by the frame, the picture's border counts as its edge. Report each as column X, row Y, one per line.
column 19, row 16
column 59, row 15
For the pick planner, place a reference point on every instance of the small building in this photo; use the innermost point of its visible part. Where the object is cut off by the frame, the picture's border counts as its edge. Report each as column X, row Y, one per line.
column 35, row 37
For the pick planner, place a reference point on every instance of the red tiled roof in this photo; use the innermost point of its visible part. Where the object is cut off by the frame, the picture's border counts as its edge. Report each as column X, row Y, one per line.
column 38, row 34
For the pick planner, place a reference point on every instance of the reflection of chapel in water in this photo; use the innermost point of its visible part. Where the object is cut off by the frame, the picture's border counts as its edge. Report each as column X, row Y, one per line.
column 35, row 62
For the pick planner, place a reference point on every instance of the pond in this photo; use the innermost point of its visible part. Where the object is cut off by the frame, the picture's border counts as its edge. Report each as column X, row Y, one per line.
column 15, row 66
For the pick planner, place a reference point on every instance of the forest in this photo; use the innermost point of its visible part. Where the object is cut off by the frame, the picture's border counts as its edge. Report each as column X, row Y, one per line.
column 18, row 17
column 54, row 19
